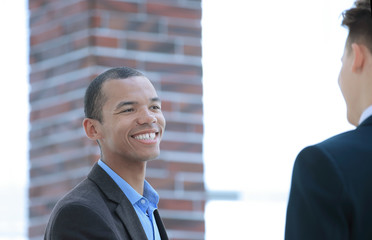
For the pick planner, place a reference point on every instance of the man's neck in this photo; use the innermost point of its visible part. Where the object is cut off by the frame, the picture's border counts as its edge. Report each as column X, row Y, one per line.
column 133, row 172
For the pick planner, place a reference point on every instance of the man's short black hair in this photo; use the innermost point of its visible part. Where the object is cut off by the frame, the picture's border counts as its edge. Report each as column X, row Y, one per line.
column 95, row 99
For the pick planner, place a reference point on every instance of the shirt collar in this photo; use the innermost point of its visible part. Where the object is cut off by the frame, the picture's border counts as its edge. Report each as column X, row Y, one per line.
column 150, row 193
column 366, row 113
column 133, row 196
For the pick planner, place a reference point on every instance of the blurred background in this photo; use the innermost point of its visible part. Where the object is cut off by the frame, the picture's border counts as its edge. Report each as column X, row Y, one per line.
column 245, row 86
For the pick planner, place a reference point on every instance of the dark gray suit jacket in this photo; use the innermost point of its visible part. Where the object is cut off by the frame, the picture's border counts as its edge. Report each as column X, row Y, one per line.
column 331, row 192
column 97, row 209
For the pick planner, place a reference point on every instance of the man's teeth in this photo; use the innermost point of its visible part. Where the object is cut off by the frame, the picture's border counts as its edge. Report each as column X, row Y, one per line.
column 146, row 136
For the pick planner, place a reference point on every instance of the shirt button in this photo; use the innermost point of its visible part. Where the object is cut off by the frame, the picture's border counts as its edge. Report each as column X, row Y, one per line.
column 143, row 201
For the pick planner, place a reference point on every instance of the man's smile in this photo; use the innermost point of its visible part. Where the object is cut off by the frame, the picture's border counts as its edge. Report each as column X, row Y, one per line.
column 146, row 137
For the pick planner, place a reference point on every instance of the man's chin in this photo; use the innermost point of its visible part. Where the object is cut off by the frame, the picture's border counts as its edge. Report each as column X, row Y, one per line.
column 150, row 157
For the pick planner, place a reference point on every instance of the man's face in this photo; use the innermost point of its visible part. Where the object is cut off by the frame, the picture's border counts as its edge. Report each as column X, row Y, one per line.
column 348, row 85
column 133, row 123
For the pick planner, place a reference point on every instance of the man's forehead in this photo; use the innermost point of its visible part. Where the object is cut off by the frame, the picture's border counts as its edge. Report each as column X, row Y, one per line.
column 137, row 82
column 130, row 90
column 129, row 80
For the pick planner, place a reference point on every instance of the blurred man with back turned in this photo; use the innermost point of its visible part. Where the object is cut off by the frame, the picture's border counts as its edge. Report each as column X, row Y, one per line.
column 331, row 191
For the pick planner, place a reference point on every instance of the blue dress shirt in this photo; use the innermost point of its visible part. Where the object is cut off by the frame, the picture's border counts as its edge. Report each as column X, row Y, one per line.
column 144, row 205
column 366, row 113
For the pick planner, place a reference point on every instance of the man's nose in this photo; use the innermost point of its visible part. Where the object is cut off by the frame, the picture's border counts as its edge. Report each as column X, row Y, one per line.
column 146, row 117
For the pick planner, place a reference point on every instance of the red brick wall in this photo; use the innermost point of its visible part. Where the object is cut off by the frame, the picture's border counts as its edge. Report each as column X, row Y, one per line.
column 72, row 41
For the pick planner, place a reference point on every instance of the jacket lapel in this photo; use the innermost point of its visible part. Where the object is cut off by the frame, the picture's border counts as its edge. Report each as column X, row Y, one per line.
column 159, row 223
column 129, row 217
column 366, row 122
column 124, row 210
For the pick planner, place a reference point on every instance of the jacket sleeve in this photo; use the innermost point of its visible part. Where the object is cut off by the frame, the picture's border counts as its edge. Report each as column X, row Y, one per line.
column 78, row 222
column 316, row 207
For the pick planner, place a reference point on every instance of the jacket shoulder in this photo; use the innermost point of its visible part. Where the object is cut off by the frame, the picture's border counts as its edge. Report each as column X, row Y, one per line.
column 84, row 210
column 76, row 220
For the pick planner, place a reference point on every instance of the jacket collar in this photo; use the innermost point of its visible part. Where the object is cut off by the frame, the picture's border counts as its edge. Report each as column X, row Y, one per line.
column 124, row 209
column 366, row 122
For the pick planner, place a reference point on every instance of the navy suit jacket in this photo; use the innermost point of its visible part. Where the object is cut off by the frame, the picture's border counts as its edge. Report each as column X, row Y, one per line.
column 97, row 209
column 331, row 191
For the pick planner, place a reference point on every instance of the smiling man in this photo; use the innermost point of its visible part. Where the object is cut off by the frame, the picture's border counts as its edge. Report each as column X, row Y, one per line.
column 123, row 114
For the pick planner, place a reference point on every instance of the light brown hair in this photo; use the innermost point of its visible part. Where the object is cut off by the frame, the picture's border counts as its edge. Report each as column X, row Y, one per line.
column 358, row 20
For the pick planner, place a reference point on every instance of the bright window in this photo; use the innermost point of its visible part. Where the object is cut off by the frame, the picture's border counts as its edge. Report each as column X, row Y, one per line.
column 270, row 89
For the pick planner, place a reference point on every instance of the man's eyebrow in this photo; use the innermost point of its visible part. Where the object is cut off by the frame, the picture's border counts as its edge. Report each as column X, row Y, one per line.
column 124, row 103
column 155, row 99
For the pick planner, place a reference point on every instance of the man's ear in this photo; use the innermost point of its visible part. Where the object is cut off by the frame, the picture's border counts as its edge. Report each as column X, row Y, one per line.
column 92, row 128
column 358, row 51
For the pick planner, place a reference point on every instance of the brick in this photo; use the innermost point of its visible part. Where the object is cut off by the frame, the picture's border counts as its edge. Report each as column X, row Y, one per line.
column 54, row 189
column 37, row 56
column 192, row 50
column 173, row 68
column 184, row 87
column 117, row 6
column 62, row 88
column 70, row 25
column 161, row 183
column 185, row 167
column 199, row 128
column 119, row 21
column 181, row 146
column 181, row 79
column 149, row 26
column 106, row 41
column 166, row 106
column 172, row 11
column 190, row 108
column 115, row 62
column 50, row 46
column 150, row 46
column 176, row 204
column 36, row 4
column 157, row 164
column 36, row 231
column 116, row 21
column 52, row 33
column 184, row 225
column 193, row 186
column 57, row 109
column 67, row 66
column 41, row 210
column 184, row 127
column 44, row 12
column 69, row 164
column 36, row 134
column 185, row 31
column 56, row 148
column 96, row 21
column 187, row 238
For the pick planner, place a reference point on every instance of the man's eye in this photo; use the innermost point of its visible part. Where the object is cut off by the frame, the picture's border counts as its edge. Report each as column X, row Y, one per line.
column 155, row 107
column 127, row 110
